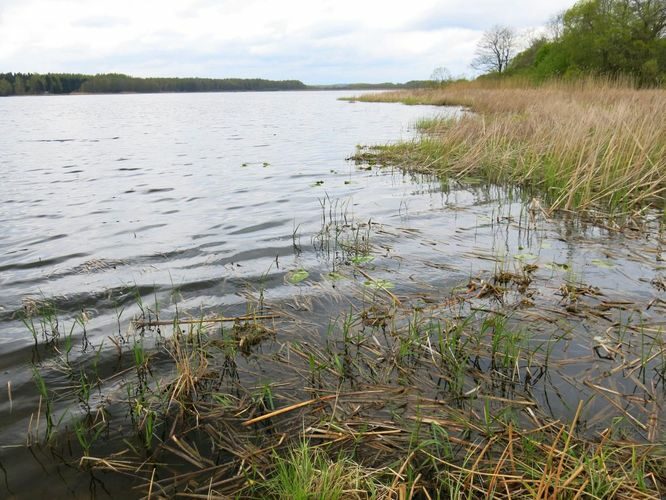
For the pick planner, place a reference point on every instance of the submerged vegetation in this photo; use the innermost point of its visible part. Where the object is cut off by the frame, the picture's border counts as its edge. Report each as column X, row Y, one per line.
column 397, row 401
column 589, row 144
column 474, row 391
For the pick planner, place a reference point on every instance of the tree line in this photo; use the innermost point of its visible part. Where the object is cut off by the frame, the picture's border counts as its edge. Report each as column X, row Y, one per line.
column 594, row 37
column 66, row 83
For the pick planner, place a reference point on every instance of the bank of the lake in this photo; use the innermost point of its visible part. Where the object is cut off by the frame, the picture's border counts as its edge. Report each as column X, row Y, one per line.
column 202, row 298
column 578, row 145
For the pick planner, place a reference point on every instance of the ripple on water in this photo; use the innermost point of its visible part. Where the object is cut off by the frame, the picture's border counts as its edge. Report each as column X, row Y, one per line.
column 34, row 264
column 158, row 190
column 260, row 227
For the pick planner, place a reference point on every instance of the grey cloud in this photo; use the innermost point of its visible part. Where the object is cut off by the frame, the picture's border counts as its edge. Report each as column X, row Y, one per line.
column 322, row 52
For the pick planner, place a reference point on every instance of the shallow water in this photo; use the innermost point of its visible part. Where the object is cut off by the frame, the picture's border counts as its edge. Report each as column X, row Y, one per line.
column 200, row 191
column 202, row 199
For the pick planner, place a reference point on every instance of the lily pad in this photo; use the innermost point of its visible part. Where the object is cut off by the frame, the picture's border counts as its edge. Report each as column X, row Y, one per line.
column 604, row 264
column 297, row 276
column 379, row 284
column 333, row 276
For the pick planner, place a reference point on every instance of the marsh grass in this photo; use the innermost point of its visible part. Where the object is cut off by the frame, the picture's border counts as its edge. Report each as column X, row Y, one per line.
column 342, row 239
column 308, row 472
column 395, row 402
column 507, row 384
column 578, row 145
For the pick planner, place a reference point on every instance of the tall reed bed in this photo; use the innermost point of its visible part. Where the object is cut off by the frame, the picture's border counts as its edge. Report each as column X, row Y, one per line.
column 580, row 145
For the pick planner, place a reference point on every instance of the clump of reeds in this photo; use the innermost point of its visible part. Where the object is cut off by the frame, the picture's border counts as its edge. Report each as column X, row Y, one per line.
column 471, row 392
column 578, row 144
column 396, row 402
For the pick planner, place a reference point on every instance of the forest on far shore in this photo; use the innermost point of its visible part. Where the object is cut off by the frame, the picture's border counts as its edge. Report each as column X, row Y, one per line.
column 65, row 83
column 115, row 83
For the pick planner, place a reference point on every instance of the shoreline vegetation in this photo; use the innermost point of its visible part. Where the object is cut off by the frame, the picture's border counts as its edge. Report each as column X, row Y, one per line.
column 400, row 397
column 515, row 379
column 391, row 394
column 593, row 144
column 12, row 84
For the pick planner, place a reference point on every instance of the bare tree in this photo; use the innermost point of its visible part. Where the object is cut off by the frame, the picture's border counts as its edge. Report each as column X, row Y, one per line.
column 555, row 26
column 495, row 49
column 440, row 76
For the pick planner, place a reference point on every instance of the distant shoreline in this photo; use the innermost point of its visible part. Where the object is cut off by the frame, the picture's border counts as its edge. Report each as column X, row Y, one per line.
column 114, row 83
column 335, row 89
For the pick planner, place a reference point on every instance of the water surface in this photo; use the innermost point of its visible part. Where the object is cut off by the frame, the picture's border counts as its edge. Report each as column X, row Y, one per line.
column 197, row 201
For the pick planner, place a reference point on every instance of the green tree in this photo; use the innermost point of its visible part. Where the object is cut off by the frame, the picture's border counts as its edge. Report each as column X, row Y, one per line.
column 5, row 87
column 608, row 37
column 19, row 86
column 35, row 84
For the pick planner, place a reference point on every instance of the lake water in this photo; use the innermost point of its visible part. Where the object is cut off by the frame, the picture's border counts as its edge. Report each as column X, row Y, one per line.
column 194, row 190
column 106, row 201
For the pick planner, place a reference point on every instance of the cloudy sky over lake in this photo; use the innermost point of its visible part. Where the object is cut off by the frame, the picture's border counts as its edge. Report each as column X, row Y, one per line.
column 317, row 41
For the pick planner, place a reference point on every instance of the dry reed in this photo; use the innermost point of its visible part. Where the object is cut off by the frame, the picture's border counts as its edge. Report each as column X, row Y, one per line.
column 588, row 144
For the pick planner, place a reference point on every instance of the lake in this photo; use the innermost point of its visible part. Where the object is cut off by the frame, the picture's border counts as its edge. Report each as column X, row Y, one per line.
column 112, row 205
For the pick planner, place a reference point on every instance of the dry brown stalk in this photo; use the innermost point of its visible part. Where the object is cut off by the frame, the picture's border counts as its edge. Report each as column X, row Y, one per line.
column 596, row 144
column 564, row 455
column 198, row 321
column 388, row 292
column 302, row 404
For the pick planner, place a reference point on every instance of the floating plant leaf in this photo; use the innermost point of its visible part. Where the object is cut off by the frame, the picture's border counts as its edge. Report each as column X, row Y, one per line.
column 525, row 256
column 379, row 284
column 556, row 266
column 333, row 276
column 362, row 259
column 604, row 264
column 297, row 276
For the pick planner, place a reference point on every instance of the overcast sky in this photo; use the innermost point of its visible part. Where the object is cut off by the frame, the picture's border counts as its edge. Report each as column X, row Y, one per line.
column 316, row 41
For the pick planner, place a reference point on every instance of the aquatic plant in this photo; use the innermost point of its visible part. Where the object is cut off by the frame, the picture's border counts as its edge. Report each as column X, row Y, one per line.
column 578, row 145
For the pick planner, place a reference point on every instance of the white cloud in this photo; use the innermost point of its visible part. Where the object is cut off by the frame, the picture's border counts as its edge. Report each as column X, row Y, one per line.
column 315, row 41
